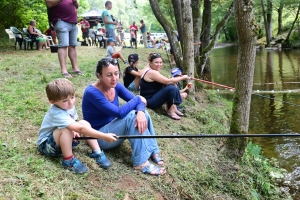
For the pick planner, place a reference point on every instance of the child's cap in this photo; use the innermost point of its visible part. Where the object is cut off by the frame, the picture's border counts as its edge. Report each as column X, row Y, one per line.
column 110, row 40
column 133, row 58
column 175, row 71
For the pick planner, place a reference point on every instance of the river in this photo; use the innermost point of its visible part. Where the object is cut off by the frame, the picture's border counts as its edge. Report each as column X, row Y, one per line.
column 274, row 71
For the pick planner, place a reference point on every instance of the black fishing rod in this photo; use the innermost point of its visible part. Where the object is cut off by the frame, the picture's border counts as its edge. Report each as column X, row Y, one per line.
column 193, row 136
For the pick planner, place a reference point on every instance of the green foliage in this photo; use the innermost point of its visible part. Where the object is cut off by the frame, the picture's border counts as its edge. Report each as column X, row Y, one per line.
column 260, row 169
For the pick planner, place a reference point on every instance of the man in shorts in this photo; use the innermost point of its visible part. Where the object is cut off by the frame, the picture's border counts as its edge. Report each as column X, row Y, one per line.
column 85, row 26
column 108, row 21
column 64, row 19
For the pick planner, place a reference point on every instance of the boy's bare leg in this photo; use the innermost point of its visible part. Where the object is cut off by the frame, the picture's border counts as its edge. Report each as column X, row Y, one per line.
column 64, row 138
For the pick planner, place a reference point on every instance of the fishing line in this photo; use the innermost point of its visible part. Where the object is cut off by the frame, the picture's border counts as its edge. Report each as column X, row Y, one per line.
column 231, row 88
column 194, row 136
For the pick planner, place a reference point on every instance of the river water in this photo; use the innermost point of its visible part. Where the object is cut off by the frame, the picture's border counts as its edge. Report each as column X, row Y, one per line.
column 274, row 71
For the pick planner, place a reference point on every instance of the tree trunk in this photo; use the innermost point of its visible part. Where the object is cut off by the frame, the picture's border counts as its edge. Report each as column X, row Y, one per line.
column 247, row 32
column 205, row 51
column 178, row 17
column 265, row 22
column 188, row 41
column 167, row 26
column 280, row 9
column 206, row 23
column 269, row 18
column 286, row 42
column 196, row 13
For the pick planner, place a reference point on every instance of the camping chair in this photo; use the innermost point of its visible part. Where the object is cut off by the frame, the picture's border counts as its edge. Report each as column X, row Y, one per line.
column 30, row 41
column 10, row 36
column 18, row 36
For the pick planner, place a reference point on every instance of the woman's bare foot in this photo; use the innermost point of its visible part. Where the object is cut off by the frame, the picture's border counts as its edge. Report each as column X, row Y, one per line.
column 149, row 168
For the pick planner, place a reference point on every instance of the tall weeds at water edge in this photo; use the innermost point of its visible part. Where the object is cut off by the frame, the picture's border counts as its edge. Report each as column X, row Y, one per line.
column 260, row 169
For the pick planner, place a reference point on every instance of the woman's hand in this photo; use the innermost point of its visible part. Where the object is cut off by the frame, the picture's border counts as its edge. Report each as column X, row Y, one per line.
column 141, row 122
column 110, row 137
column 143, row 100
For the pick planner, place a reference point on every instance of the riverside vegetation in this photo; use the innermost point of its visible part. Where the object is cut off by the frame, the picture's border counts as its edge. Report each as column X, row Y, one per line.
column 195, row 168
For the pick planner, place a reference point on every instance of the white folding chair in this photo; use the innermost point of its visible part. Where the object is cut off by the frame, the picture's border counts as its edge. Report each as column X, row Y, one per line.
column 50, row 40
column 10, row 36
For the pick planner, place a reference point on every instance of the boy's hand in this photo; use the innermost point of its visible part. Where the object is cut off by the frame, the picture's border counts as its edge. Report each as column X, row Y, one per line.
column 75, row 134
column 110, row 137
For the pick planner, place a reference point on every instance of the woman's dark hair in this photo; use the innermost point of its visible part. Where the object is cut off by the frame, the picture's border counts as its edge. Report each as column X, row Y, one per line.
column 104, row 62
column 152, row 56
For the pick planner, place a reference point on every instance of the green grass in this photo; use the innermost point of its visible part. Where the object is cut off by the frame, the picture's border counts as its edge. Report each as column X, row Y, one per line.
column 196, row 169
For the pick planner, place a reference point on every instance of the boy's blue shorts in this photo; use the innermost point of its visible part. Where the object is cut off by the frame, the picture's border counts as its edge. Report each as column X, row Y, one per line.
column 49, row 147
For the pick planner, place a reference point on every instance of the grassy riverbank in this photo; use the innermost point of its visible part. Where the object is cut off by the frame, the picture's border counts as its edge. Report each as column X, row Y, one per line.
column 196, row 169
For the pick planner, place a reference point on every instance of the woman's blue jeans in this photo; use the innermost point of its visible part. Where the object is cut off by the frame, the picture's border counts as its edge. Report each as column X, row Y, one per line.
column 142, row 148
column 168, row 94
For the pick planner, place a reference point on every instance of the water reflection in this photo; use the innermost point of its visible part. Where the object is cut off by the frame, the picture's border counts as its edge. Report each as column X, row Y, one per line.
column 278, row 71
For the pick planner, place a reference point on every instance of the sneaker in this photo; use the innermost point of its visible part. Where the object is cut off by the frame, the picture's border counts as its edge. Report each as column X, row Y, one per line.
column 126, row 62
column 74, row 165
column 101, row 159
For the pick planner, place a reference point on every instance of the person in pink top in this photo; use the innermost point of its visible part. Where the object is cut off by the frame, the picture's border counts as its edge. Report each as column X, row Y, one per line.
column 134, row 28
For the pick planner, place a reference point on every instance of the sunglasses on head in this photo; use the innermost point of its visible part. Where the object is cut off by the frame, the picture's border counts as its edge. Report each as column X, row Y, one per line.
column 155, row 55
column 106, row 62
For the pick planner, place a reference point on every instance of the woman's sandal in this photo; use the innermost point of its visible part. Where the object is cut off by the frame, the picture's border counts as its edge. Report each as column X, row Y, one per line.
column 67, row 75
column 174, row 116
column 151, row 168
column 79, row 73
column 157, row 159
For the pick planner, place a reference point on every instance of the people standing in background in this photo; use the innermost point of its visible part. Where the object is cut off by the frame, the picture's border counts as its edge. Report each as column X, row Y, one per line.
column 134, row 26
column 85, row 26
column 108, row 21
column 144, row 33
column 132, row 37
column 64, row 19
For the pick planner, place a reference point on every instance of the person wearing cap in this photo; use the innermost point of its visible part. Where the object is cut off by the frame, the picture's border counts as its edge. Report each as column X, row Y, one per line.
column 158, row 89
column 176, row 72
column 100, row 37
column 110, row 52
column 132, row 75
column 134, row 29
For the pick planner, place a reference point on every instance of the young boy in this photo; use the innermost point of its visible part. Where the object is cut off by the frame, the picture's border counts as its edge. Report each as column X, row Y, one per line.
column 59, row 128
column 110, row 52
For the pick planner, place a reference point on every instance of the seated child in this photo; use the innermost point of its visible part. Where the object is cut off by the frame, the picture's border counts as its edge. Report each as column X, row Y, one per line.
column 132, row 75
column 175, row 72
column 110, row 52
column 59, row 128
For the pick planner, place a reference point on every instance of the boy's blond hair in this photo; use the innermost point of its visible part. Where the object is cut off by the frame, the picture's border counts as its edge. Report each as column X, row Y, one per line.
column 59, row 89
